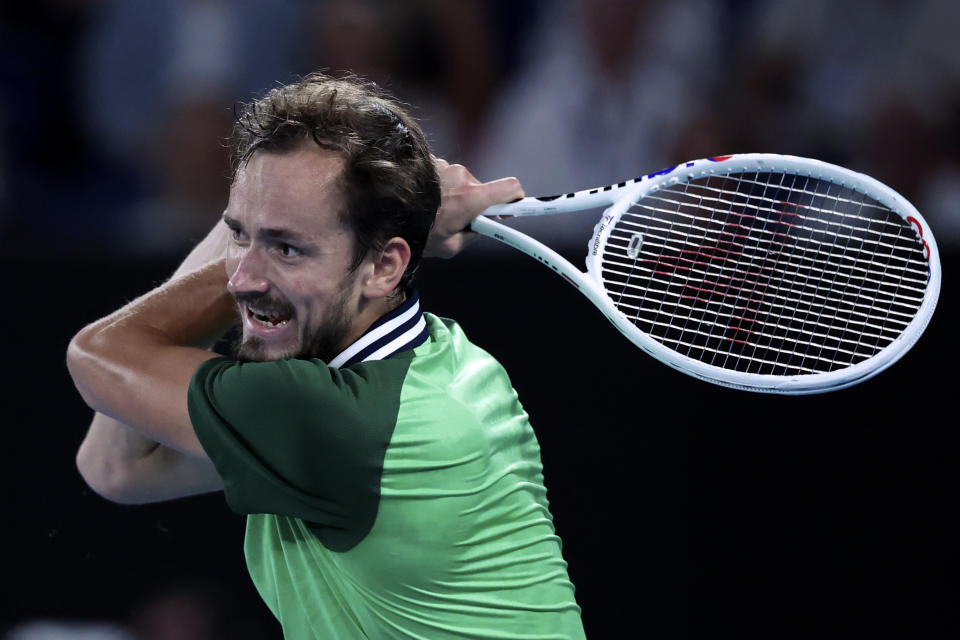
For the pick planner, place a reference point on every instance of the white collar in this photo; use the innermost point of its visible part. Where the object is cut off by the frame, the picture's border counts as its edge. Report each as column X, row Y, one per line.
column 401, row 329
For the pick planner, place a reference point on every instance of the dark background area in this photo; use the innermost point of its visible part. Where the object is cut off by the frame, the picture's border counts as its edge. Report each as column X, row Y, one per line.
column 686, row 510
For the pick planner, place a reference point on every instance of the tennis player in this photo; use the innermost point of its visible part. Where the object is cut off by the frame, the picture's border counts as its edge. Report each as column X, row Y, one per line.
column 391, row 481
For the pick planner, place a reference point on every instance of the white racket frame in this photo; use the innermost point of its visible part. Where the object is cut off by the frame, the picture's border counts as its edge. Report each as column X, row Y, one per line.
column 618, row 198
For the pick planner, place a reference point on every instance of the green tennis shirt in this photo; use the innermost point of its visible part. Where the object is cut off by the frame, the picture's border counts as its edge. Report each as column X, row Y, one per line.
column 395, row 493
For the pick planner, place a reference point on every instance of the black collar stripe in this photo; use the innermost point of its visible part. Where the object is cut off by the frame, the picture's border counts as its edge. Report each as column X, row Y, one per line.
column 401, row 329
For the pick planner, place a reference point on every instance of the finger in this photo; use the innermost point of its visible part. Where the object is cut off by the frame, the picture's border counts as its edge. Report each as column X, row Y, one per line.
column 495, row 192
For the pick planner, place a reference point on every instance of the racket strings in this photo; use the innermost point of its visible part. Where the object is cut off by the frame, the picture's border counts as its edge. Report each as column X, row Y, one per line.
column 756, row 303
column 882, row 242
column 766, row 272
column 789, row 295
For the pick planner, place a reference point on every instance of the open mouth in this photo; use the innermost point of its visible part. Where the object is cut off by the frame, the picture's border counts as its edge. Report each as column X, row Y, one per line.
column 267, row 318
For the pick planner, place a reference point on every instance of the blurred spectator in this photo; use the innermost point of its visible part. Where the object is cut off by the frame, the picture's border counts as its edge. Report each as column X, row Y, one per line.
column 158, row 80
column 604, row 91
column 65, row 630
column 200, row 610
column 849, row 58
column 110, row 135
column 870, row 85
column 442, row 58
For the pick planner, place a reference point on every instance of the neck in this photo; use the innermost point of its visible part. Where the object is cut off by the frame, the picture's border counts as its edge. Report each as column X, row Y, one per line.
column 370, row 312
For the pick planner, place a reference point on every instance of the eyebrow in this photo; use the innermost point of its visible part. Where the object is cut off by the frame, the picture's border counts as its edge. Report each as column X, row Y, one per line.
column 268, row 232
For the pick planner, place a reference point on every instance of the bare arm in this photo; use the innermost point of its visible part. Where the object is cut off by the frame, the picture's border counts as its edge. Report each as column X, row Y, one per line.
column 140, row 446
column 126, row 467
column 121, row 463
column 135, row 365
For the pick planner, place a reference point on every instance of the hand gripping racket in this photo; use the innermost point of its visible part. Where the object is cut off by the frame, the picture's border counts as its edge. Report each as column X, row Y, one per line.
column 759, row 272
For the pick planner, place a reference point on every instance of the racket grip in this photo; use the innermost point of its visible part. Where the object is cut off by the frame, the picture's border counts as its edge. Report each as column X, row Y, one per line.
column 497, row 210
column 546, row 205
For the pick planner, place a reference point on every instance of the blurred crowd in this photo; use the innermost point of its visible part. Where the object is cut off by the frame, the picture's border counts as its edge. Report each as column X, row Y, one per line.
column 113, row 114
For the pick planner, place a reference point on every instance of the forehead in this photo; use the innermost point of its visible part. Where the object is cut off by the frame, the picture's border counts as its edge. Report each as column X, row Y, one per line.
column 297, row 190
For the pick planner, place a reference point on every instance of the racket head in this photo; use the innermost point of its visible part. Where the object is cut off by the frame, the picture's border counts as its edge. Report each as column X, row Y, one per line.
column 766, row 273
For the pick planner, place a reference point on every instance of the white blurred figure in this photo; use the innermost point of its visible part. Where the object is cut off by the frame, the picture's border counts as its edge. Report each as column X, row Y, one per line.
column 62, row 630
column 604, row 94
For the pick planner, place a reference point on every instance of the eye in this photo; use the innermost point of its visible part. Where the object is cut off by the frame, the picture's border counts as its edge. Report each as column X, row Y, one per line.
column 288, row 251
column 238, row 235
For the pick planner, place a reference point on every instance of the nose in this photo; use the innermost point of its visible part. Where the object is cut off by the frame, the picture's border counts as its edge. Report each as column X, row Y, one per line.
column 247, row 273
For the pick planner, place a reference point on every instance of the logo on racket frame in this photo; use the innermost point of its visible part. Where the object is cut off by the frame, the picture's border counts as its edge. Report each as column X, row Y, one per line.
column 607, row 219
column 916, row 225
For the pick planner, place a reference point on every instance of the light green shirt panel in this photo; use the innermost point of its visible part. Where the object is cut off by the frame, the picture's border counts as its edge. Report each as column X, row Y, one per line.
column 482, row 541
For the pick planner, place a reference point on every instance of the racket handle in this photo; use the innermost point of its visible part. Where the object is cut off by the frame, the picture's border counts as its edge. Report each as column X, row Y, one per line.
column 497, row 210
column 546, row 205
column 534, row 207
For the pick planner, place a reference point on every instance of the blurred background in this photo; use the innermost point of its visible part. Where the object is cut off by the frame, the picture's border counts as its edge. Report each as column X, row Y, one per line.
column 685, row 510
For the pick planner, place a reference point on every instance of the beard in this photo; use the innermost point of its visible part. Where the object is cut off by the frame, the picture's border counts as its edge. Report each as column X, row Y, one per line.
column 323, row 342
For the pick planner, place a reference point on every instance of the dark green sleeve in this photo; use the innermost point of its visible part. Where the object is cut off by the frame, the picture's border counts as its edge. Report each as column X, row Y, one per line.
column 297, row 438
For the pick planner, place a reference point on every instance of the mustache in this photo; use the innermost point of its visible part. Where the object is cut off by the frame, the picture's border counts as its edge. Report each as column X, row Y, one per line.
column 265, row 302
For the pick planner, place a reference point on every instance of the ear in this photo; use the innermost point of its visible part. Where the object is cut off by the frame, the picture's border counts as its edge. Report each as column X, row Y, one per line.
column 387, row 268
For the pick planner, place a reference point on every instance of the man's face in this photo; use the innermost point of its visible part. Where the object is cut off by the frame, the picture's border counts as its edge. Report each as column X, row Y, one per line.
column 289, row 257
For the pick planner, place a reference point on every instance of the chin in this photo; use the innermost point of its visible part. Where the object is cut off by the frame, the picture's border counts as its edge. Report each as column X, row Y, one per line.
column 255, row 349
column 324, row 344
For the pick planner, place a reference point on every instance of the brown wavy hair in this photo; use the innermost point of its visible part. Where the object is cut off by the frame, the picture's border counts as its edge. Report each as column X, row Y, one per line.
column 390, row 180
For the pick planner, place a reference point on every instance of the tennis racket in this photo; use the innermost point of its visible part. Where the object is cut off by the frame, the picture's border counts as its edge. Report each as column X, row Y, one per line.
column 759, row 272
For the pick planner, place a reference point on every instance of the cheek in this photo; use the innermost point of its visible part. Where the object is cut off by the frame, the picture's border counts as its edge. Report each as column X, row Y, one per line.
column 309, row 297
column 322, row 291
column 329, row 303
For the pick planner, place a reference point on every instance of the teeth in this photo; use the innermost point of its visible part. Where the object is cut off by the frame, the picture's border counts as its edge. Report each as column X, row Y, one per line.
column 268, row 323
column 261, row 317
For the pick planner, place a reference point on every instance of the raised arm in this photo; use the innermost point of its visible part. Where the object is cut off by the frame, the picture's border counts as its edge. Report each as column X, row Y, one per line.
column 140, row 446
column 121, row 463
